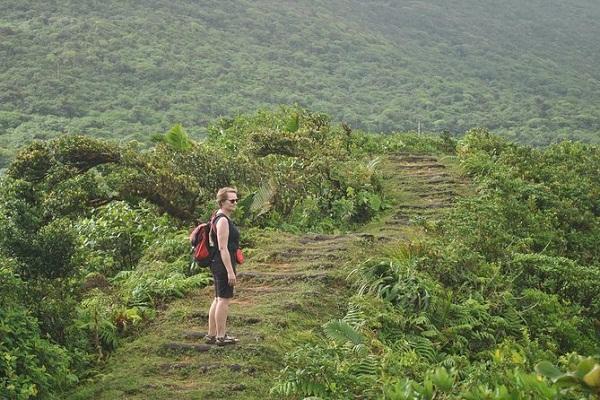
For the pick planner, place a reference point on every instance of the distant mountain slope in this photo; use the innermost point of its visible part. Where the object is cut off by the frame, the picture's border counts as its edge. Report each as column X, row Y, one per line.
column 129, row 69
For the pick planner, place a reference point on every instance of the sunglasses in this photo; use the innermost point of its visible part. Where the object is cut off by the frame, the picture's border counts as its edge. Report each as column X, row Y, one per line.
column 232, row 201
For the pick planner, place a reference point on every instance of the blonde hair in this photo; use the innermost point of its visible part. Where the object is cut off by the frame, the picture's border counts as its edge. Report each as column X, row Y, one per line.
column 222, row 194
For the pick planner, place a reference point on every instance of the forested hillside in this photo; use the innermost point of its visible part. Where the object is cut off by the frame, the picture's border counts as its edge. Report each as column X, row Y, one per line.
column 112, row 69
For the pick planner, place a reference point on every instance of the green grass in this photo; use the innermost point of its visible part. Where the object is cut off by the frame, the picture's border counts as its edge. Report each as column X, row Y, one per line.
column 268, row 316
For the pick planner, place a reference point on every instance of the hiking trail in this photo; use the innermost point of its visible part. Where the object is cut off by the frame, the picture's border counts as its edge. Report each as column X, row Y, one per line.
column 286, row 290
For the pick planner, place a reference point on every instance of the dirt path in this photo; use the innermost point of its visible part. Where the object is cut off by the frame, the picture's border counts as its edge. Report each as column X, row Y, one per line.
column 288, row 288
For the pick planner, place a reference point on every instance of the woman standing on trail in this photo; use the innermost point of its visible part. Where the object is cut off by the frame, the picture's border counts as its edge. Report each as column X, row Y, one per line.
column 223, row 263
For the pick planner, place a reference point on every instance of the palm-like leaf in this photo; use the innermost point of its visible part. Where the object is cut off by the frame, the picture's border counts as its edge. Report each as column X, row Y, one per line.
column 178, row 139
column 293, row 123
column 372, row 165
column 342, row 332
column 263, row 198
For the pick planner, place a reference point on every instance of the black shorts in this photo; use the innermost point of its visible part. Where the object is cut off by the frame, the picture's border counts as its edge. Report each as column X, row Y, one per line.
column 222, row 287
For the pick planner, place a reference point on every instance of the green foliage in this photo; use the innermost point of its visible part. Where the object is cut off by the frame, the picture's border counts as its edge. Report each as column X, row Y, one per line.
column 293, row 123
column 558, row 325
column 342, row 332
column 43, row 250
column 30, row 366
column 561, row 276
column 153, row 289
column 177, row 138
column 56, row 243
column 115, row 236
column 32, row 164
column 262, row 199
column 436, row 384
column 508, row 278
column 517, row 385
column 11, row 286
column 586, row 375
column 397, row 282
column 36, row 161
column 95, row 318
column 549, row 192
column 379, row 67
column 340, row 368
column 297, row 176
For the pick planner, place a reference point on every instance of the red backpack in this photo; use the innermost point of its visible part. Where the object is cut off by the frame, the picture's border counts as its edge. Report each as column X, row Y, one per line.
column 202, row 246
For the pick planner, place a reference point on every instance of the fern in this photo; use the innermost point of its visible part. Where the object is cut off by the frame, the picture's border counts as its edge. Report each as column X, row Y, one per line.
column 108, row 333
column 286, row 388
column 360, row 350
column 369, row 365
column 514, row 322
column 423, row 347
column 244, row 205
column 420, row 320
column 342, row 332
column 121, row 276
column 94, row 316
column 463, row 315
column 485, row 337
column 402, row 346
column 354, row 316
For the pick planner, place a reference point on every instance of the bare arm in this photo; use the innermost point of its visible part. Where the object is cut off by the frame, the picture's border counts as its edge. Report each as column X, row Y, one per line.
column 222, row 239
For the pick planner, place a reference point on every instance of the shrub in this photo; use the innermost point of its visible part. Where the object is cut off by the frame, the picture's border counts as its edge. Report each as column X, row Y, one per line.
column 30, row 366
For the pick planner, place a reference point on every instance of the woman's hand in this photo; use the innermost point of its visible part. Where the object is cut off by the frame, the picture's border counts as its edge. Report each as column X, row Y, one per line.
column 231, row 279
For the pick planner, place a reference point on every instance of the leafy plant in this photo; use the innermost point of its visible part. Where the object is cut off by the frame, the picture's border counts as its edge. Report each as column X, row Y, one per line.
column 586, row 375
column 96, row 318
column 31, row 366
column 341, row 368
column 177, row 138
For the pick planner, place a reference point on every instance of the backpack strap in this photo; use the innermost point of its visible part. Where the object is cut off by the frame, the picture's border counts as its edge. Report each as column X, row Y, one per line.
column 213, row 227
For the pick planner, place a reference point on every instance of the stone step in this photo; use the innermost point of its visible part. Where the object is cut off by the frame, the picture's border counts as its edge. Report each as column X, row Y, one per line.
column 308, row 239
column 176, row 368
column 442, row 179
column 446, row 193
column 421, row 166
column 421, row 187
column 291, row 256
column 284, row 278
column 422, row 206
column 411, row 172
column 417, row 212
column 233, row 318
column 430, row 180
column 396, row 221
column 175, row 347
column 412, row 158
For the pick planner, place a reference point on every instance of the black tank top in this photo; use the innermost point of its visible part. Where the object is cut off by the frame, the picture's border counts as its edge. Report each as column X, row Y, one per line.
column 232, row 244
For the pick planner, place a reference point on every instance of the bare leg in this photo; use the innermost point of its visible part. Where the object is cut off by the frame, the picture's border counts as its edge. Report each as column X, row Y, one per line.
column 221, row 310
column 212, row 321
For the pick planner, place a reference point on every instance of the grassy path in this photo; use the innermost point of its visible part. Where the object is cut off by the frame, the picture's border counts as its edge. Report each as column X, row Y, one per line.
column 288, row 288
